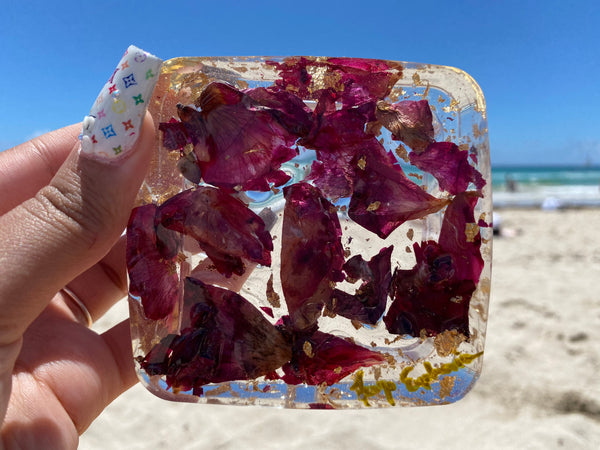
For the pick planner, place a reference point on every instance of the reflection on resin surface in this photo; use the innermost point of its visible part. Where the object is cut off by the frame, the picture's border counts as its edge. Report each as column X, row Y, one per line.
column 313, row 233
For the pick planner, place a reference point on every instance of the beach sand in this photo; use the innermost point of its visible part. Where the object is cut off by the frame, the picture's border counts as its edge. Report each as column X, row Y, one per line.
column 540, row 387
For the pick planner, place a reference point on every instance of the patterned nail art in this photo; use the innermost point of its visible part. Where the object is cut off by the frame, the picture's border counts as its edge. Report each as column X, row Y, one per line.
column 113, row 125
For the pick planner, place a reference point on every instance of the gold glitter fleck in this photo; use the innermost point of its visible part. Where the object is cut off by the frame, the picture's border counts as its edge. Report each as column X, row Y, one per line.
column 447, row 342
column 362, row 163
column 446, row 386
column 402, row 153
column 356, row 324
column 416, row 79
column 377, row 372
column 471, row 231
column 396, row 339
column 307, row 347
column 374, row 206
column 272, row 296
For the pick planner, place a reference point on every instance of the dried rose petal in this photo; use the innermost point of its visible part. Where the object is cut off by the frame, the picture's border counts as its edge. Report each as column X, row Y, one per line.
column 449, row 165
column 409, row 121
column 384, row 198
column 291, row 112
column 340, row 140
column 460, row 236
column 353, row 80
column 311, row 254
column 225, row 228
column 229, row 339
column 239, row 142
column 369, row 301
column 324, row 358
column 434, row 295
column 151, row 252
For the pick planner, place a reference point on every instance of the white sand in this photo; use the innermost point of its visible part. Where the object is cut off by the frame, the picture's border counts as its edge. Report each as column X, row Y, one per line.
column 540, row 387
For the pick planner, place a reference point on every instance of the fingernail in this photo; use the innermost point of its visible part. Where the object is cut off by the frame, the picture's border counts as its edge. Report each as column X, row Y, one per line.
column 113, row 125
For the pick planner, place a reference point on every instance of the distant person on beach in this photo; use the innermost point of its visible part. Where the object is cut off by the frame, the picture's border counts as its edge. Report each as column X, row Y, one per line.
column 511, row 184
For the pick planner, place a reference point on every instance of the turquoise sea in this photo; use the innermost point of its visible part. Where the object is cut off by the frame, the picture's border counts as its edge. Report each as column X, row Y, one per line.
column 546, row 186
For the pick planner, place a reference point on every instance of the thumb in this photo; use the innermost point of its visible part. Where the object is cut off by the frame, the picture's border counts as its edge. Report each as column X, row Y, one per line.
column 74, row 221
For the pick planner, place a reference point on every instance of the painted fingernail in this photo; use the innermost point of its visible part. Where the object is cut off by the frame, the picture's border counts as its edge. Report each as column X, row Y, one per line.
column 113, row 125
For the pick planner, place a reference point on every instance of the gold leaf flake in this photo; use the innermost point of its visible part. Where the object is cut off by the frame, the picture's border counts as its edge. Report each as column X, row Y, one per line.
column 362, row 163
column 307, row 347
column 471, row 231
column 402, row 153
column 416, row 79
column 272, row 296
column 374, row 206
column 447, row 342
column 446, row 386
column 410, row 233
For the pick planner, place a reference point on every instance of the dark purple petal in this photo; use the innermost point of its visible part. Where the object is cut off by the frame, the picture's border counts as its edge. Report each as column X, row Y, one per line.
column 449, row 165
column 229, row 339
column 312, row 255
column 151, row 252
column 384, row 198
column 435, row 294
column 409, row 121
column 225, row 228
column 369, row 301
column 323, row 358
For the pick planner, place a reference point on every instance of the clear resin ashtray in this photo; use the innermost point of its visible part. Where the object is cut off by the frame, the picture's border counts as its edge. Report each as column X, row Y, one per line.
column 313, row 233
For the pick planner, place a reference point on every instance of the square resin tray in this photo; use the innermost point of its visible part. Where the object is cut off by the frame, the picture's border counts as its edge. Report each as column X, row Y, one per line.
column 313, row 233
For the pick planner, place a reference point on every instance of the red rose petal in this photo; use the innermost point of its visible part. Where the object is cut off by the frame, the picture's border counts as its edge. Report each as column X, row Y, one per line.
column 409, row 121
column 150, row 255
column 225, row 228
column 311, row 254
column 435, row 294
column 369, row 301
column 229, row 339
column 384, row 198
column 449, row 165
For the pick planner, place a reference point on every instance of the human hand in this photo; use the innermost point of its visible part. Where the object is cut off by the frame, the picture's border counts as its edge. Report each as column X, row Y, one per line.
column 62, row 212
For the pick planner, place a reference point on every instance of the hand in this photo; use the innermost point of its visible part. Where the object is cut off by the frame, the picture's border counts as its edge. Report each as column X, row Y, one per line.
column 61, row 217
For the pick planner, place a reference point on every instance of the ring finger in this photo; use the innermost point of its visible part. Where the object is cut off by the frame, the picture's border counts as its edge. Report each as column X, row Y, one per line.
column 101, row 286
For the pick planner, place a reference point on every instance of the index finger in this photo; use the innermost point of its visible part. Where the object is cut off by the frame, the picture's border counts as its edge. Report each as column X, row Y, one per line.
column 26, row 168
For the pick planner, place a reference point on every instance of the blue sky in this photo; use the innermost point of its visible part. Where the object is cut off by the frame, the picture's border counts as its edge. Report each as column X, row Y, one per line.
column 538, row 62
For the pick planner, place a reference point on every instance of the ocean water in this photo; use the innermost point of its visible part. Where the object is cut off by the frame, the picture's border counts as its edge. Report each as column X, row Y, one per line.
column 548, row 187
